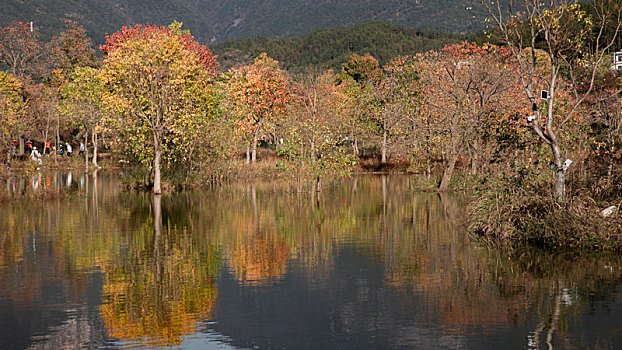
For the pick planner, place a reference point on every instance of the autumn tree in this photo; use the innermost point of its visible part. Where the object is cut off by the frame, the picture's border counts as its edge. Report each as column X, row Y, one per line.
column 408, row 111
column 316, row 131
column 573, row 41
column 398, row 97
column 165, row 79
column 603, row 112
column 86, row 102
column 73, row 48
column 22, row 51
column 357, row 80
column 11, row 107
column 465, row 86
column 257, row 95
column 40, row 118
column 352, row 104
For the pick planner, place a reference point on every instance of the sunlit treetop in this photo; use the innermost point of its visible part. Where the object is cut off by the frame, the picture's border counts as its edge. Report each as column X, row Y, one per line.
column 73, row 48
column 362, row 69
column 118, row 41
column 21, row 50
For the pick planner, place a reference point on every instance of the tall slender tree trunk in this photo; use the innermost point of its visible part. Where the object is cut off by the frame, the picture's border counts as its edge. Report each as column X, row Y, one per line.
column 448, row 172
column 86, row 151
column 560, row 173
column 383, row 159
column 157, row 185
column 45, row 138
column 47, row 132
column 428, row 166
column 355, row 145
column 313, row 155
column 21, row 146
column 255, row 138
column 57, row 140
column 45, row 142
column 94, row 139
column 248, row 154
column 317, row 187
column 451, row 158
column 313, row 194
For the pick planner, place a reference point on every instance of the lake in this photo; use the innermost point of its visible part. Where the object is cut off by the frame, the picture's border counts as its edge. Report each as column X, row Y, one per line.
column 370, row 263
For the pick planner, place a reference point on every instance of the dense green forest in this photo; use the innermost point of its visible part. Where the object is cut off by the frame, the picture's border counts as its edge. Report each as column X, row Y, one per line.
column 216, row 21
column 329, row 48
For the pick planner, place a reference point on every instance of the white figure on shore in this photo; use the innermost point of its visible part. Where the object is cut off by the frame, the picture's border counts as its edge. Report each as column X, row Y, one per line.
column 34, row 155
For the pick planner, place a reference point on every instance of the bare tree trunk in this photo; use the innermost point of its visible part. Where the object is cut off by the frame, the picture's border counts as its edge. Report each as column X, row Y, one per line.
column 448, row 172
column 248, row 154
column 452, row 158
column 94, row 139
column 157, row 185
column 255, row 138
column 313, row 194
column 475, row 157
column 383, row 159
column 86, row 151
column 47, row 132
column 560, row 185
column 560, row 173
column 428, row 167
column 57, row 141
column 21, row 146
column 313, row 155
column 318, row 183
column 45, row 138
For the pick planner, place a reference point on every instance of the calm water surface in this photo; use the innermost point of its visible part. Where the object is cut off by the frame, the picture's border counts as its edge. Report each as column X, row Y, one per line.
column 372, row 264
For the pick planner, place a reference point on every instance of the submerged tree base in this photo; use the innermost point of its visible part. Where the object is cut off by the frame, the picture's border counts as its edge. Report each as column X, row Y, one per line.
column 522, row 209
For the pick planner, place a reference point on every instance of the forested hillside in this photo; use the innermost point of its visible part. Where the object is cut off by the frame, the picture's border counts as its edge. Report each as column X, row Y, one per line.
column 104, row 16
column 329, row 48
column 220, row 20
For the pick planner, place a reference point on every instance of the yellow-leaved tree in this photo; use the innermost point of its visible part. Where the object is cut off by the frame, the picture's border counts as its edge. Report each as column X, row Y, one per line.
column 11, row 105
column 165, row 79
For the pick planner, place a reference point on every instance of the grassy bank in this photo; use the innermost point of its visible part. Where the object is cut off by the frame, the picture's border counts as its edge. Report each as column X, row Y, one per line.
column 520, row 209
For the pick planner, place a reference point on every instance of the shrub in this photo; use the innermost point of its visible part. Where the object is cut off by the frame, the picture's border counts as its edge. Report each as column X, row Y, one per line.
column 520, row 207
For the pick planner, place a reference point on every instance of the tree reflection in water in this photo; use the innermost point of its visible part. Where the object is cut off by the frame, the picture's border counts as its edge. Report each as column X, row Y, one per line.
column 157, row 290
column 160, row 258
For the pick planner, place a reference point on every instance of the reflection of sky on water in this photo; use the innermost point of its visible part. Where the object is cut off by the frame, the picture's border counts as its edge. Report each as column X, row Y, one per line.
column 351, row 308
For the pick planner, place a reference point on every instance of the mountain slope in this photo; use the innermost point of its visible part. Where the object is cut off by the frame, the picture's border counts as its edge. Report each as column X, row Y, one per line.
column 213, row 21
column 103, row 16
column 329, row 48
column 248, row 19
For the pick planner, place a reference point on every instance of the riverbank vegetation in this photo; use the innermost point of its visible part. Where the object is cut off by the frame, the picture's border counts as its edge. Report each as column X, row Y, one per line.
column 531, row 126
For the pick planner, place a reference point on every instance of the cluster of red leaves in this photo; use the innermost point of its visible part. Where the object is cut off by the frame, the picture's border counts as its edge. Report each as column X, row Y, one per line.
column 146, row 31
